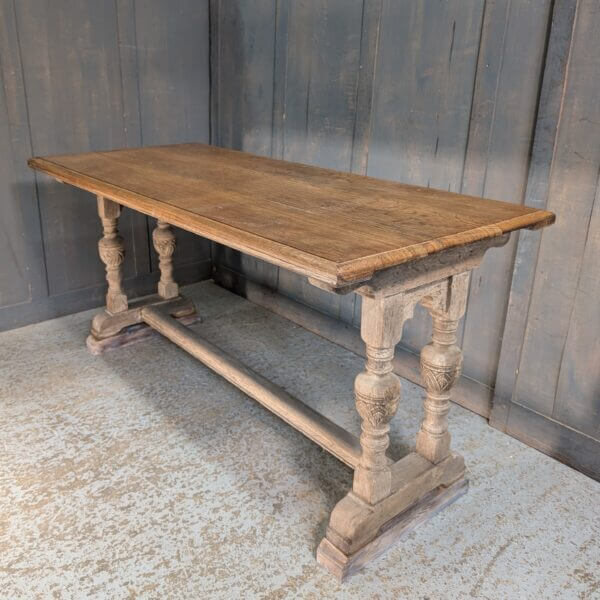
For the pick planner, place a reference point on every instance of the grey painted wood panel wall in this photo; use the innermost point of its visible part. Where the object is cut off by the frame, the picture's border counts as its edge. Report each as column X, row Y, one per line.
column 421, row 92
column 492, row 98
column 548, row 385
column 78, row 76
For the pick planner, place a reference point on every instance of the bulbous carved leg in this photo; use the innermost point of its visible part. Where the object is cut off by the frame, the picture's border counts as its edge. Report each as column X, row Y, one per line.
column 112, row 253
column 377, row 392
column 441, row 362
column 121, row 324
column 164, row 244
column 388, row 498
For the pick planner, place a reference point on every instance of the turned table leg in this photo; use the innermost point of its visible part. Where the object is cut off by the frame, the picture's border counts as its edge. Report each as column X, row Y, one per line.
column 389, row 498
column 112, row 253
column 441, row 362
column 122, row 322
column 377, row 392
column 164, row 244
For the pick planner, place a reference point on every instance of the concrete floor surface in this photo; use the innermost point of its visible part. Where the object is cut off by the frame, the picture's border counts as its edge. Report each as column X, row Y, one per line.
column 142, row 474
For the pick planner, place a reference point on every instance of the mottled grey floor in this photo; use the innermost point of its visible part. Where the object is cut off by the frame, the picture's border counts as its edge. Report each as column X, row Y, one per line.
column 142, row 474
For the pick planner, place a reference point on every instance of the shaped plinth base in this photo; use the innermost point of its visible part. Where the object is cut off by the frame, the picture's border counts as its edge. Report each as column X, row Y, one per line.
column 343, row 565
column 359, row 532
column 111, row 331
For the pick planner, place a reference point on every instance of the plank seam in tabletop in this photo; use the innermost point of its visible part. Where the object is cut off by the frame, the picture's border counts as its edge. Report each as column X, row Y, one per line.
column 368, row 235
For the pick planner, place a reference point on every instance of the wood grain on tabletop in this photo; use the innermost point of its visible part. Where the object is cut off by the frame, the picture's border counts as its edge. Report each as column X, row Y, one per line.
column 338, row 227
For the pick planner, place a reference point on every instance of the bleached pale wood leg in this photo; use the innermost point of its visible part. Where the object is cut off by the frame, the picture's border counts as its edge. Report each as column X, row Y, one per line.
column 390, row 498
column 164, row 241
column 441, row 362
column 113, row 326
column 377, row 392
column 112, row 253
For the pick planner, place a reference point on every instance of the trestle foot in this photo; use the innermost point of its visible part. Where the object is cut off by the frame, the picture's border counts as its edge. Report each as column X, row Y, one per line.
column 111, row 331
column 131, row 335
column 343, row 564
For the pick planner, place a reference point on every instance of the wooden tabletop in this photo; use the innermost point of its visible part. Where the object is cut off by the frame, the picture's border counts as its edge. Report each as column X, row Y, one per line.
column 336, row 227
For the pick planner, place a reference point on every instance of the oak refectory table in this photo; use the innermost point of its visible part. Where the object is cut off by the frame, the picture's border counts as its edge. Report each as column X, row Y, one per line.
column 396, row 245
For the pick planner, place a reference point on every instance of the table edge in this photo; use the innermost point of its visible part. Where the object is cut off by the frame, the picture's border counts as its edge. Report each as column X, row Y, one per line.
column 335, row 274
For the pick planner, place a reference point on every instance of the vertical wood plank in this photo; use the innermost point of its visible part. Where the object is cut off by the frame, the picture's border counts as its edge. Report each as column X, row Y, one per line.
column 214, row 65
column 280, row 64
column 244, row 57
column 292, row 128
column 423, row 90
column 497, row 159
column 321, row 88
column 173, row 68
column 132, row 126
column 572, row 190
column 578, row 391
column 369, row 48
column 23, row 268
column 489, row 63
column 14, row 281
column 542, row 156
column 350, row 305
column 128, row 62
